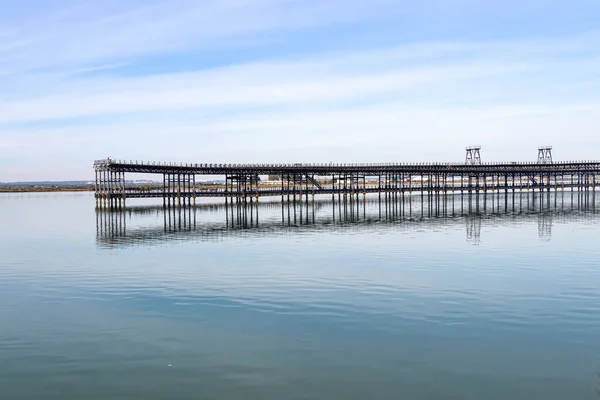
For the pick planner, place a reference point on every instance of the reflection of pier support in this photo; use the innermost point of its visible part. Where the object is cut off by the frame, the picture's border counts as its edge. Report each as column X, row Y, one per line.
column 401, row 212
column 177, row 219
column 111, row 224
column 240, row 213
column 545, row 226
column 473, row 225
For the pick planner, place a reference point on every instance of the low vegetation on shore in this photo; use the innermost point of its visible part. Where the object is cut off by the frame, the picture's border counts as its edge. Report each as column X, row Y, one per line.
column 45, row 188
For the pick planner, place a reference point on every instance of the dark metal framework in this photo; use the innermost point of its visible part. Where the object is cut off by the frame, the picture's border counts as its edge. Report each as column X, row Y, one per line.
column 545, row 154
column 473, row 156
column 298, row 181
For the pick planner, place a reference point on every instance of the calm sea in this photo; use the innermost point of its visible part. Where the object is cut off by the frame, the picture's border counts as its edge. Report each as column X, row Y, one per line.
column 422, row 298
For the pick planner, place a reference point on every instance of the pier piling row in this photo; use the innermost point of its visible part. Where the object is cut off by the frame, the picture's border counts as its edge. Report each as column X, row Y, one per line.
column 300, row 181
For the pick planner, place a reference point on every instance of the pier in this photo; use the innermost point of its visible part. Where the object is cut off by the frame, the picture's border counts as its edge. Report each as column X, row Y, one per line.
column 178, row 186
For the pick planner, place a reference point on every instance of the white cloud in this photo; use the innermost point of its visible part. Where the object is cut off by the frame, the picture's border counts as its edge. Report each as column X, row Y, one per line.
column 100, row 31
column 65, row 95
column 263, row 85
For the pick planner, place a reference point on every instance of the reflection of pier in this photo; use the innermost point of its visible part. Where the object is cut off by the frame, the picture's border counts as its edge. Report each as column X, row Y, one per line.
column 473, row 228
column 239, row 218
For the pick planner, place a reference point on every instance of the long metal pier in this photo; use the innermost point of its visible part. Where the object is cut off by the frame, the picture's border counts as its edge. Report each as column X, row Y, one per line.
column 301, row 180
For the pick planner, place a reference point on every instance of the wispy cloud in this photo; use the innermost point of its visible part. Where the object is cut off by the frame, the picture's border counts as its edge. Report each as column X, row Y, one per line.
column 213, row 75
column 83, row 33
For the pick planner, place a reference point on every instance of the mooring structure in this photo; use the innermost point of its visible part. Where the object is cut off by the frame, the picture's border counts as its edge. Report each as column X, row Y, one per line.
column 298, row 181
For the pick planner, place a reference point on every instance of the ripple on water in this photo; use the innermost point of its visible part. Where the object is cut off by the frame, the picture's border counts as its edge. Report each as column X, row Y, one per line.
column 486, row 304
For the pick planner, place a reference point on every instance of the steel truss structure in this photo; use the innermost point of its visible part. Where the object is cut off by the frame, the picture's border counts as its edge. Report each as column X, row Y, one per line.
column 298, row 180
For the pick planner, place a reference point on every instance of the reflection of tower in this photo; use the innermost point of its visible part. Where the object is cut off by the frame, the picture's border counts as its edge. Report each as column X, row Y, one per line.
column 473, row 156
column 545, row 154
column 473, row 229
column 545, row 226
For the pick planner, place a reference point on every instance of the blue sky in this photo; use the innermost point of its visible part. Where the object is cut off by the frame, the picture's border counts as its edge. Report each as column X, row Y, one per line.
column 293, row 81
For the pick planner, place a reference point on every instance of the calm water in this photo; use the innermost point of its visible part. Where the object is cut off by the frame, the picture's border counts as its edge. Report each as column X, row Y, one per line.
column 439, row 298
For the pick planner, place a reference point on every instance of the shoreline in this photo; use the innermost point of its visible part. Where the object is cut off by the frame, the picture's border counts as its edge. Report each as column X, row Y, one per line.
column 46, row 188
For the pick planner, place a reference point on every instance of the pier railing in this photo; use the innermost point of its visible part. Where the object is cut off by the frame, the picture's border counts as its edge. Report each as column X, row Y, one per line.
column 141, row 163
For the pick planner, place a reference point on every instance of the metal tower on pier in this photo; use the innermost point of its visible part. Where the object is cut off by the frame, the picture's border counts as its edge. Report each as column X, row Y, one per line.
column 473, row 155
column 545, row 154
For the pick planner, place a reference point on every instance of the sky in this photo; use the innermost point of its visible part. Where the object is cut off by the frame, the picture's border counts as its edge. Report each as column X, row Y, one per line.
column 293, row 81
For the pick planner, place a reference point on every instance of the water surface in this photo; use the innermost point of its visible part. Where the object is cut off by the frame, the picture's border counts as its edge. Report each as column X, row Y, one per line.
column 491, row 297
